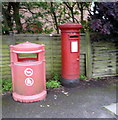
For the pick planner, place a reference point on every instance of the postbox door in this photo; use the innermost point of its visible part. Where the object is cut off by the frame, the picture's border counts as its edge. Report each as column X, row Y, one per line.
column 74, row 53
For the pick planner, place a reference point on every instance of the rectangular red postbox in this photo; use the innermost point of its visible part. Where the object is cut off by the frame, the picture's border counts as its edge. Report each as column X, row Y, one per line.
column 70, row 49
column 28, row 73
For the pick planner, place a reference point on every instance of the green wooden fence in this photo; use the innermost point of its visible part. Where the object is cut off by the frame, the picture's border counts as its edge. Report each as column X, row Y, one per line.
column 104, row 58
column 96, row 58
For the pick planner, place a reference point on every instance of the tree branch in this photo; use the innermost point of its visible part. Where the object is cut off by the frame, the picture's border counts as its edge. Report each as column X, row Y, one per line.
column 55, row 17
column 67, row 5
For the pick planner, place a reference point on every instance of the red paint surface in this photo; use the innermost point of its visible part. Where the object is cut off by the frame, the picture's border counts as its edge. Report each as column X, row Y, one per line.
column 70, row 60
column 28, row 78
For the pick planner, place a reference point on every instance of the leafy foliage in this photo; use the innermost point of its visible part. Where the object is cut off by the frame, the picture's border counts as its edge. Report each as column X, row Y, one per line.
column 83, row 77
column 10, row 12
column 104, row 17
column 7, row 85
column 42, row 17
column 55, row 76
column 52, row 84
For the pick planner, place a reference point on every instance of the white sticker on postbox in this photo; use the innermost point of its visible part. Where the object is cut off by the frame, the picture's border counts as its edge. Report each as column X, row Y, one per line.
column 74, row 46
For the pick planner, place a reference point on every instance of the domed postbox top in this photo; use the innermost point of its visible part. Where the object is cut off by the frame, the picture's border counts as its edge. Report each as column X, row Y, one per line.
column 68, row 26
column 27, row 46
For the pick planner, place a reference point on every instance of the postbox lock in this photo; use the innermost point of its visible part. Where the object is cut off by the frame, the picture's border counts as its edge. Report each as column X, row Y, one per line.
column 78, row 59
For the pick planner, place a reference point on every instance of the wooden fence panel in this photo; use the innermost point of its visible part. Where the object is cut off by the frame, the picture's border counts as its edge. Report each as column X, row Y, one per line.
column 52, row 53
column 96, row 58
column 6, row 71
column 104, row 58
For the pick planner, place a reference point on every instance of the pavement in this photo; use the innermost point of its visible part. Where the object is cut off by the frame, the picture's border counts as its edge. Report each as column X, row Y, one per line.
column 65, row 103
column 112, row 108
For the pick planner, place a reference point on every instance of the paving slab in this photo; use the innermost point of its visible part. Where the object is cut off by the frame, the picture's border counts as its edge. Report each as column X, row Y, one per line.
column 112, row 108
column 66, row 103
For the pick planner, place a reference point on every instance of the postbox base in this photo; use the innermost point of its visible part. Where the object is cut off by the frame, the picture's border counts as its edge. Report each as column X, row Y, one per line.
column 70, row 82
column 33, row 98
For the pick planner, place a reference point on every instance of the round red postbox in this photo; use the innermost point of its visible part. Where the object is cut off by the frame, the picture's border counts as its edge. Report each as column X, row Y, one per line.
column 28, row 72
column 70, row 48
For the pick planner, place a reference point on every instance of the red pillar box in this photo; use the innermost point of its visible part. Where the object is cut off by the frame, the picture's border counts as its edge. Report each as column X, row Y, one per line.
column 70, row 36
column 28, row 72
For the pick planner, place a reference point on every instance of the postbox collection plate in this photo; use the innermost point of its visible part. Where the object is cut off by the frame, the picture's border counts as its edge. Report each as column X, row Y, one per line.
column 74, row 46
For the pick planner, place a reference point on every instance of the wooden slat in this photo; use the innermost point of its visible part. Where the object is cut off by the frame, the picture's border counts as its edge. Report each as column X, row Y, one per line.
column 104, row 58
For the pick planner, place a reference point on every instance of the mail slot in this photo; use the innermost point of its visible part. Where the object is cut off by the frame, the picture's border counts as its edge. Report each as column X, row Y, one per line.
column 70, row 50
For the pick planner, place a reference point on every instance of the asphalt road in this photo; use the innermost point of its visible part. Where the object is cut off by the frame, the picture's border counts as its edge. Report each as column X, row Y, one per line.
column 64, row 103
